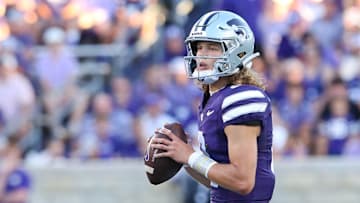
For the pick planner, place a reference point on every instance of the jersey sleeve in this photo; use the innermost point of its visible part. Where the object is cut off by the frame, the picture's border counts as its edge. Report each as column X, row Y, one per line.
column 243, row 106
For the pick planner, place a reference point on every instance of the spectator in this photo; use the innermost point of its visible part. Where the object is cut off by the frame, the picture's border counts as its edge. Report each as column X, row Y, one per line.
column 57, row 71
column 106, row 131
column 328, row 29
column 180, row 107
column 18, row 96
column 297, row 114
column 290, row 43
column 272, row 26
column 337, row 129
column 123, row 95
column 338, row 120
column 174, row 43
column 317, row 71
column 152, row 117
column 150, row 82
column 15, row 181
column 61, row 76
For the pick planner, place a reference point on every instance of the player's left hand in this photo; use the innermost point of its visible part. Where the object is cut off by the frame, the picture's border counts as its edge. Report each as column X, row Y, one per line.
column 174, row 148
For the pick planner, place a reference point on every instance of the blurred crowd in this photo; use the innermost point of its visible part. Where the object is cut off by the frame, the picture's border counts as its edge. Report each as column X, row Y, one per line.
column 92, row 79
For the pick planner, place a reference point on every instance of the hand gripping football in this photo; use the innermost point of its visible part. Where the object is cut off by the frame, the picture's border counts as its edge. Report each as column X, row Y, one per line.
column 162, row 169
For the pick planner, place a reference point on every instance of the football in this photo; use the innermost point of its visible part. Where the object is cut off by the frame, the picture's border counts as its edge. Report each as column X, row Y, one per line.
column 162, row 169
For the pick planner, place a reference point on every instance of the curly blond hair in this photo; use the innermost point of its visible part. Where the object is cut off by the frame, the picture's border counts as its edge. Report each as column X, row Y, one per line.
column 245, row 76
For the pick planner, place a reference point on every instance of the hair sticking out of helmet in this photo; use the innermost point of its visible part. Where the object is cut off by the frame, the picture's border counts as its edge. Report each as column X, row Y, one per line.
column 236, row 38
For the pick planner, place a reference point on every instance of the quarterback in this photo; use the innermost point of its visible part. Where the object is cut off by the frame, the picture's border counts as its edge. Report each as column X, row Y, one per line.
column 234, row 158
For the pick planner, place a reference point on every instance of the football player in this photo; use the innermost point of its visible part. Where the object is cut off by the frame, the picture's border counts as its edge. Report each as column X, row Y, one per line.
column 235, row 125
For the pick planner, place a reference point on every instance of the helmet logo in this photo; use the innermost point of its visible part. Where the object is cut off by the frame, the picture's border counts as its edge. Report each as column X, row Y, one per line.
column 236, row 25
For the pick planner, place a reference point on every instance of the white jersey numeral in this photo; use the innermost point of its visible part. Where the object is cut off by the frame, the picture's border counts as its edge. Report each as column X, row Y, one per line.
column 201, row 141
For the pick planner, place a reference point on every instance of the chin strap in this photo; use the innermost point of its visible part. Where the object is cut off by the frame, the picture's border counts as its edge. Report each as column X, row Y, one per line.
column 247, row 63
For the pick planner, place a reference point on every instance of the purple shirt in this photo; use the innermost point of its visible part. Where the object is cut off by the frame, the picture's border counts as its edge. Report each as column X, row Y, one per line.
column 57, row 70
column 233, row 105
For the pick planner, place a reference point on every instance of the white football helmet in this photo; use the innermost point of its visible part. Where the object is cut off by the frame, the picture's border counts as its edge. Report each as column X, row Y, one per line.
column 236, row 38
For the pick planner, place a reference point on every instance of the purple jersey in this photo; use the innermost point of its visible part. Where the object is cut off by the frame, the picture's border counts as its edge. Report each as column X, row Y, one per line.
column 234, row 105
